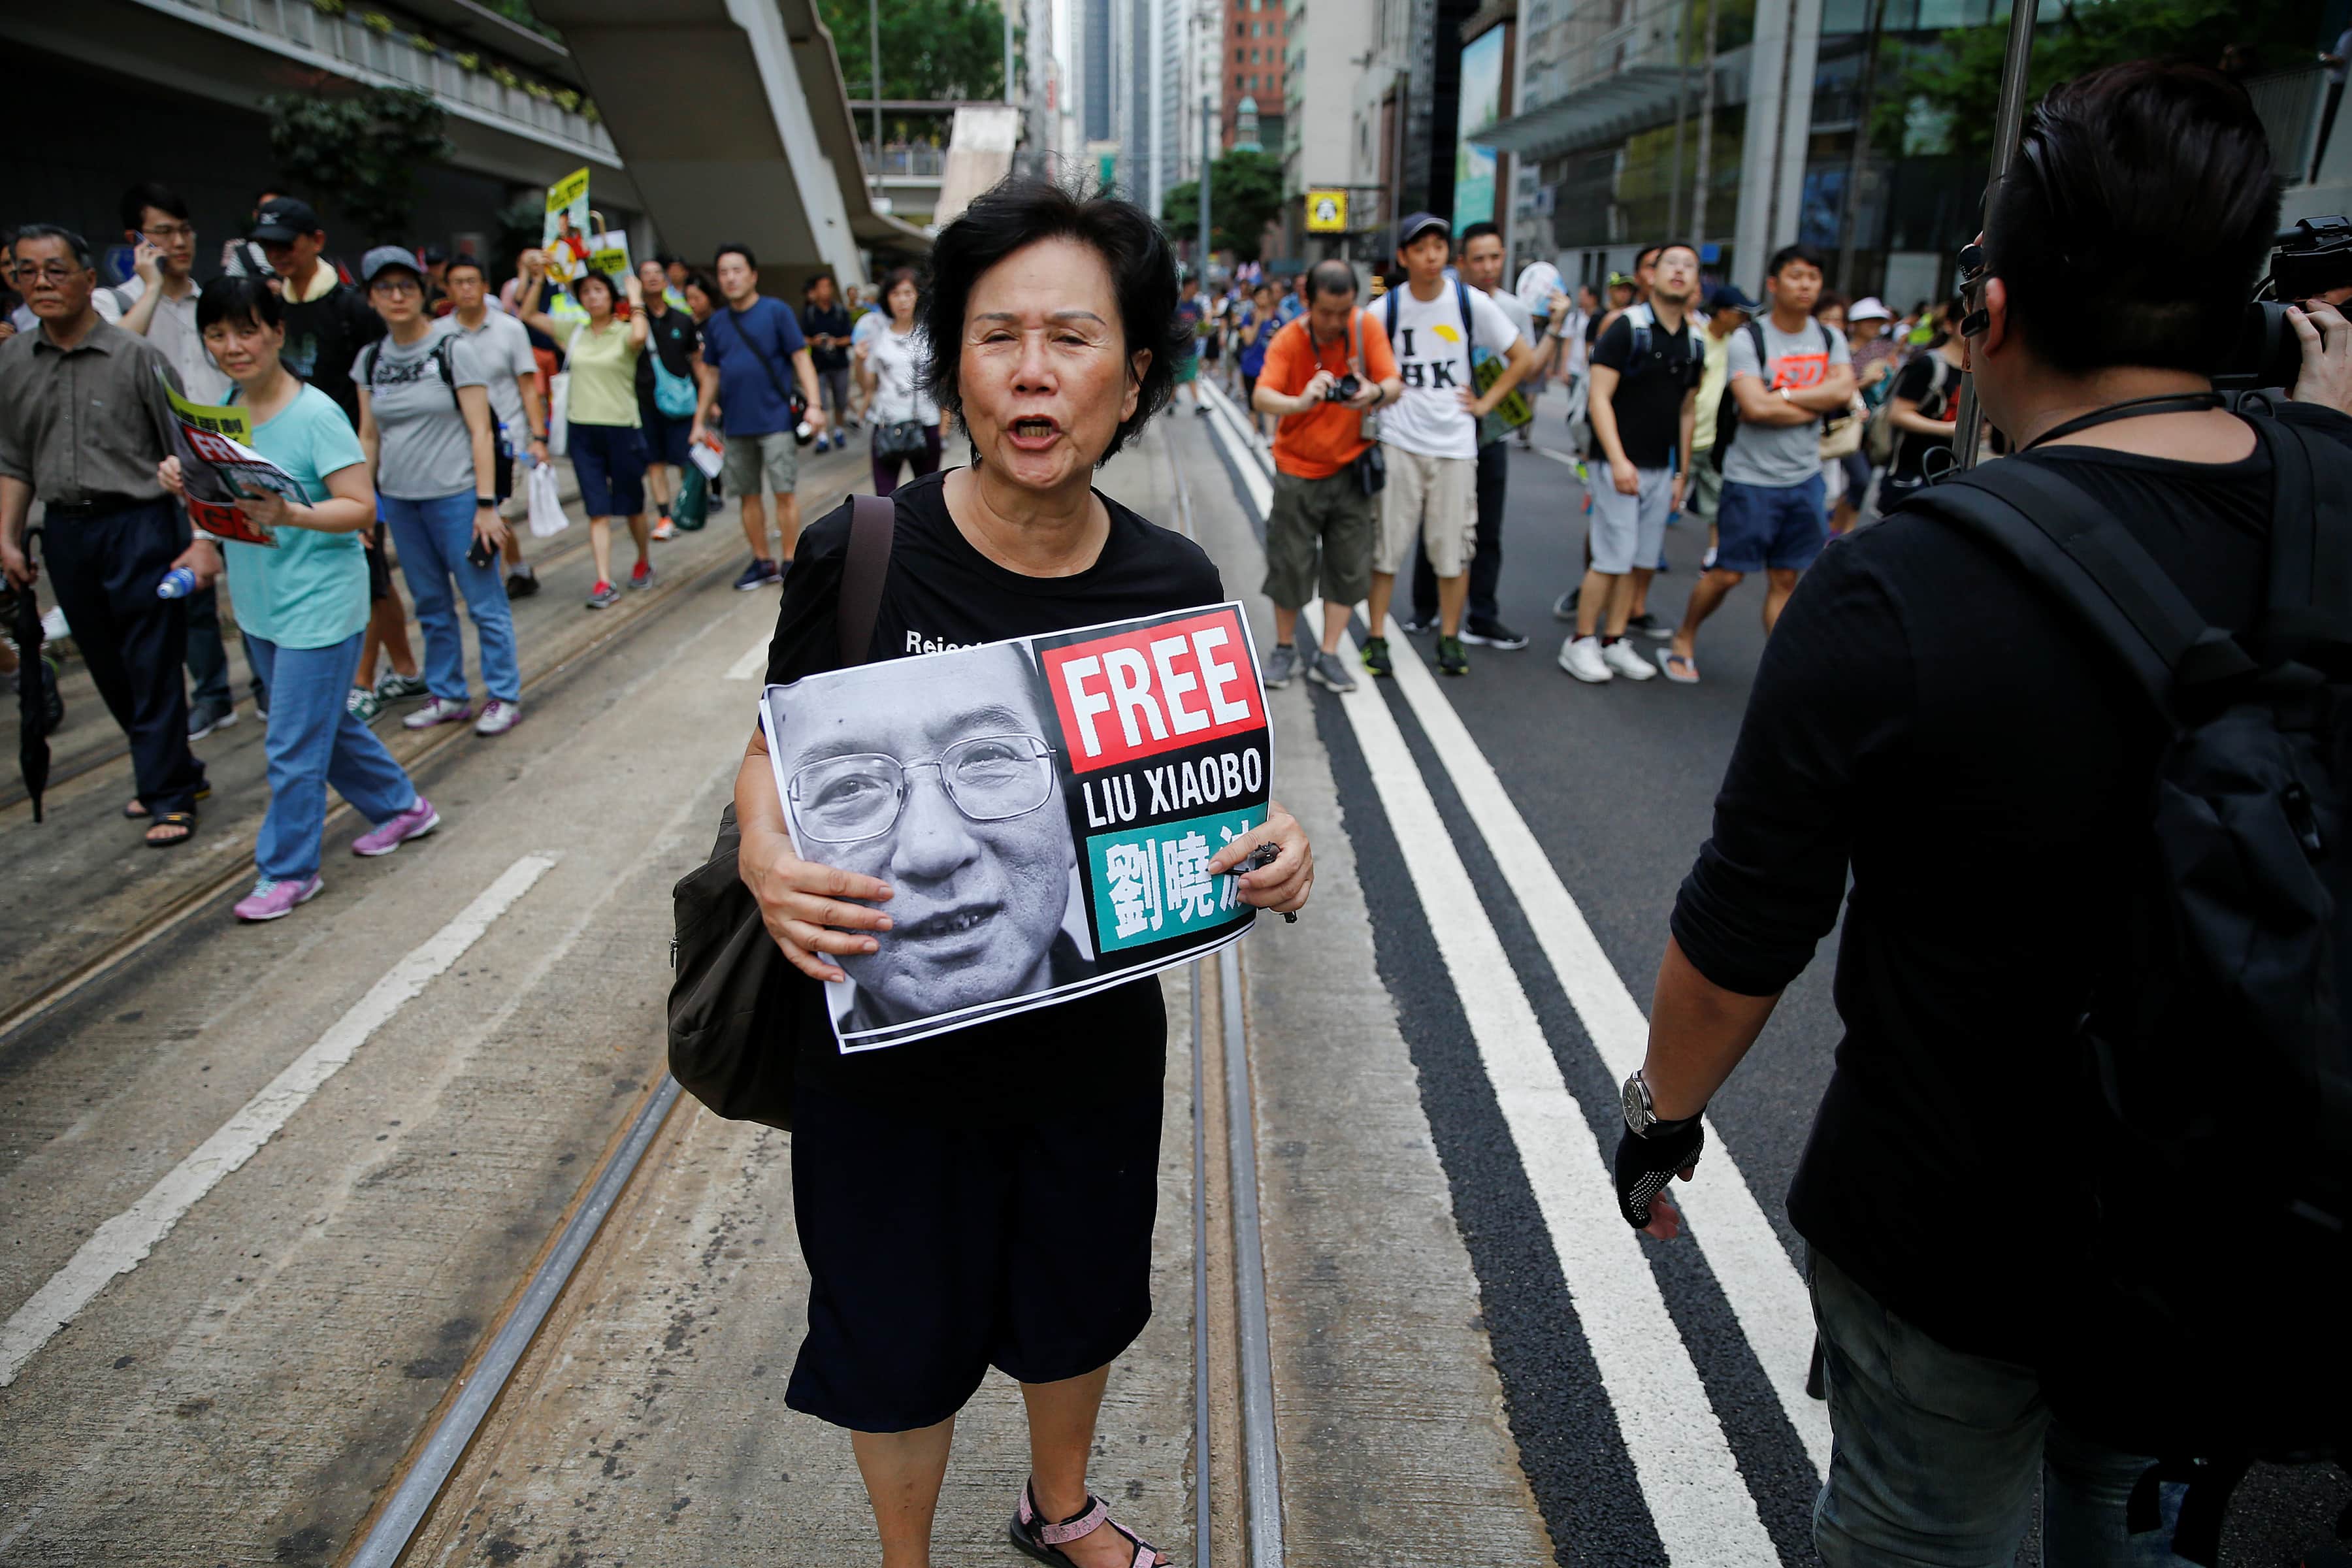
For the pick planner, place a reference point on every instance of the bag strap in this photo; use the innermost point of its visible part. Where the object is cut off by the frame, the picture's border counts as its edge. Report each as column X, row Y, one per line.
column 2310, row 597
column 2063, row 539
column 1469, row 332
column 872, row 524
column 735, row 321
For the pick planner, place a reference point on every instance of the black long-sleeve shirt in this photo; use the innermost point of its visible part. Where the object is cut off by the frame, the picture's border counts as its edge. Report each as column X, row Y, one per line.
column 1927, row 721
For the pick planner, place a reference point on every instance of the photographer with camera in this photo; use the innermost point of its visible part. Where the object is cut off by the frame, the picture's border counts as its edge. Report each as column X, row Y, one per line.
column 1323, row 374
column 1958, row 1192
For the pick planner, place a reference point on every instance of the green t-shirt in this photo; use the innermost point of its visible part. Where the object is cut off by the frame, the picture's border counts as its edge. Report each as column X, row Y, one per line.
column 311, row 590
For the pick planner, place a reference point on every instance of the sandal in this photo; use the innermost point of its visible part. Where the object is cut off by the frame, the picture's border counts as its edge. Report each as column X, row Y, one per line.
column 185, row 821
column 1689, row 673
column 1033, row 1536
column 135, row 810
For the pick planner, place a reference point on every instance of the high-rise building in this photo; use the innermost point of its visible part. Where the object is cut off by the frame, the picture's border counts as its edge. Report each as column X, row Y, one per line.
column 1252, row 50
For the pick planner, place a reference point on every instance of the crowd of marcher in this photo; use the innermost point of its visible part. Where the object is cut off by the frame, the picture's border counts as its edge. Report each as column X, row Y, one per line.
column 410, row 398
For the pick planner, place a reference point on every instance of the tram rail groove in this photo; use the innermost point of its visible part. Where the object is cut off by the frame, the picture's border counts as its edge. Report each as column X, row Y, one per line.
column 481, row 1385
column 175, row 910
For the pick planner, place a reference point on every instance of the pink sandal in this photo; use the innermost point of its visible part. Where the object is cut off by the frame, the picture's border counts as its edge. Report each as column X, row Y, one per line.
column 1044, row 1541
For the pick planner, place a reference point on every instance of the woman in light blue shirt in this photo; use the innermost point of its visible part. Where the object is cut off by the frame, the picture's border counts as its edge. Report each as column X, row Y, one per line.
column 302, row 605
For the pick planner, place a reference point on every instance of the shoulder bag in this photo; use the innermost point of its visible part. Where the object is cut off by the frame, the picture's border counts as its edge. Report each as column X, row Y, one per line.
column 731, row 1013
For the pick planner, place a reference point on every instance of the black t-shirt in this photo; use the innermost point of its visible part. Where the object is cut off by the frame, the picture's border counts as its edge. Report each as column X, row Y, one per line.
column 1917, row 380
column 1648, row 401
column 1055, row 1060
column 673, row 335
column 324, row 336
column 1927, row 719
column 831, row 321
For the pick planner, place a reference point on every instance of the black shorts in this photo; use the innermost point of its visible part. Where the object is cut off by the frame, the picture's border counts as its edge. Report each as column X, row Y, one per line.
column 938, row 1249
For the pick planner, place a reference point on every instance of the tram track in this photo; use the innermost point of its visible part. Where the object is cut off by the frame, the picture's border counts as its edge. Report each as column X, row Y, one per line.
column 636, row 614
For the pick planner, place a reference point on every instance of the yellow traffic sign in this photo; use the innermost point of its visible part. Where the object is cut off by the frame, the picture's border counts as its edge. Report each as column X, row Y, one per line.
column 1327, row 212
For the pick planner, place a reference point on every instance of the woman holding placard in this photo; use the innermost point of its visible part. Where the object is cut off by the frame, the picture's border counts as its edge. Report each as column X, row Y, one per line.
column 1013, row 1163
column 607, row 447
column 302, row 605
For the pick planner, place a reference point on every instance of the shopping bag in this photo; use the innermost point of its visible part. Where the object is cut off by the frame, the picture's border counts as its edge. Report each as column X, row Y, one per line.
column 691, row 509
column 710, row 454
column 547, row 517
column 559, row 414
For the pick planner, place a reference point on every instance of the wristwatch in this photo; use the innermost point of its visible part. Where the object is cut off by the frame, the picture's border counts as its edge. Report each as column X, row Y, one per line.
column 490, row 501
column 1641, row 1117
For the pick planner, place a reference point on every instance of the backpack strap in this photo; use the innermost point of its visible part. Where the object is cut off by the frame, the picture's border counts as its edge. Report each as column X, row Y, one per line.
column 872, row 524
column 2075, row 548
column 442, row 351
column 1392, row 321
column 367, row 365
column 1469, row 332
column 2310, row 597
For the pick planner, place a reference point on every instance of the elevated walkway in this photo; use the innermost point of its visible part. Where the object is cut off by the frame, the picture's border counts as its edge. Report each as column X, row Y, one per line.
column 734, row 124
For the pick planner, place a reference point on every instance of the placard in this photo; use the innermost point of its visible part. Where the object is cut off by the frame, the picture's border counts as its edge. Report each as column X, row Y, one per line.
column 1044, row 809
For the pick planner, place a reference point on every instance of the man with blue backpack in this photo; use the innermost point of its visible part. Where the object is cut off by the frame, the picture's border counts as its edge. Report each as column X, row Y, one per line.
column 2077, row 724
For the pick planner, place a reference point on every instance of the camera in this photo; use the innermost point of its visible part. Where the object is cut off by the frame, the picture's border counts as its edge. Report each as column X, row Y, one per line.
column 1341, row 390
column 2313, row 257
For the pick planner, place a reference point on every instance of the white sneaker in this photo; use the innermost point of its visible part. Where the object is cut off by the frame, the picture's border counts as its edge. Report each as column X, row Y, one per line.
column 1619, row 656
column 1581, row 657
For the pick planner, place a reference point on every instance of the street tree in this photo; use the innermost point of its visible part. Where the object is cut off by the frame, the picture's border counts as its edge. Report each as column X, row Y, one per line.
column 1245, row 196
column 1946, row 95
column 359, row 152
column 942, row 49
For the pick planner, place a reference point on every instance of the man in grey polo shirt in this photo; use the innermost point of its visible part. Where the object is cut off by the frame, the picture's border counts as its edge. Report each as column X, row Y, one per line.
column 84, row 424
column 503, row 348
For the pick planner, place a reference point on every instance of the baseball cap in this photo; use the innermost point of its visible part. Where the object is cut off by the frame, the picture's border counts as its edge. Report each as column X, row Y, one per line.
column 284, row 220
column 1727, row 297
column 384, row 256
column 1415, row 225
column 1872, row 309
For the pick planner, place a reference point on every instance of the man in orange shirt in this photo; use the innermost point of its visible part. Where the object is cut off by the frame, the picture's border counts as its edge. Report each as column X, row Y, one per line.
column 1324, row 373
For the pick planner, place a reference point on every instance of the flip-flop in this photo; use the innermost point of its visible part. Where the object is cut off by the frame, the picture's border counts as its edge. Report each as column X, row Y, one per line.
column 135, row 809
column 1666, row 662
column 1034, row 1537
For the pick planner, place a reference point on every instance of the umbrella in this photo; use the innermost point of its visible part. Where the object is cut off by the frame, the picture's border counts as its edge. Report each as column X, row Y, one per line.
column 34, row 696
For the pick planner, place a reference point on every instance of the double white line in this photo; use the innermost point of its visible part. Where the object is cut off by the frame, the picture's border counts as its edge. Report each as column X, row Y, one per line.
column 1701, row 1507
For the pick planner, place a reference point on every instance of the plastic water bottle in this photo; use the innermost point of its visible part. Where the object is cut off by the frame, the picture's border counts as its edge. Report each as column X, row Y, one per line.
column 804, row 432
column 177, row 584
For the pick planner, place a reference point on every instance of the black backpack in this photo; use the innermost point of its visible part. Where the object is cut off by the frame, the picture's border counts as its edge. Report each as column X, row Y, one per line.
column 1726, row 406
column 2205, row 1315
column 439, row 355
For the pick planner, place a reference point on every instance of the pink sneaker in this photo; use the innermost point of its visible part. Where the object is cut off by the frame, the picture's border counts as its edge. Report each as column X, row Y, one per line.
column 273, row 900
column 439, row 711
column 414, row 822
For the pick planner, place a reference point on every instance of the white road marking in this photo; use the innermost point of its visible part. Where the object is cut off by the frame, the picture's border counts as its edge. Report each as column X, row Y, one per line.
column 121, row 1243
column 1564, row 458
column 1763, row 1289
column 754, row 661
column 1764, row 1293
column 1703, row 1508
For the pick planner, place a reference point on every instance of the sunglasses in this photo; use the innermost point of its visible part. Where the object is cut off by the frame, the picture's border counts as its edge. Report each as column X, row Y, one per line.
column 1974, row 267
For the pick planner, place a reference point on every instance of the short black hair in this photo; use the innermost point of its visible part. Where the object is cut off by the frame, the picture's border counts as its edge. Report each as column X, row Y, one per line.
column 239, row 302
column 1789, row 253
column 1691, row 246
column 896, row 276
column 732, row 248
column 73, row 242
column 1646, row 253
column 1478, row 231
column 612, row 290
column 695, row 277
column 2131, row 225
column 1331, row 276
column 1021, row 211
column 163, row 198
column 465, row 258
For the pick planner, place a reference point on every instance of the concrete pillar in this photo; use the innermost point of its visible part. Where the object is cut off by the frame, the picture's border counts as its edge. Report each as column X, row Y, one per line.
column 1779, row 124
